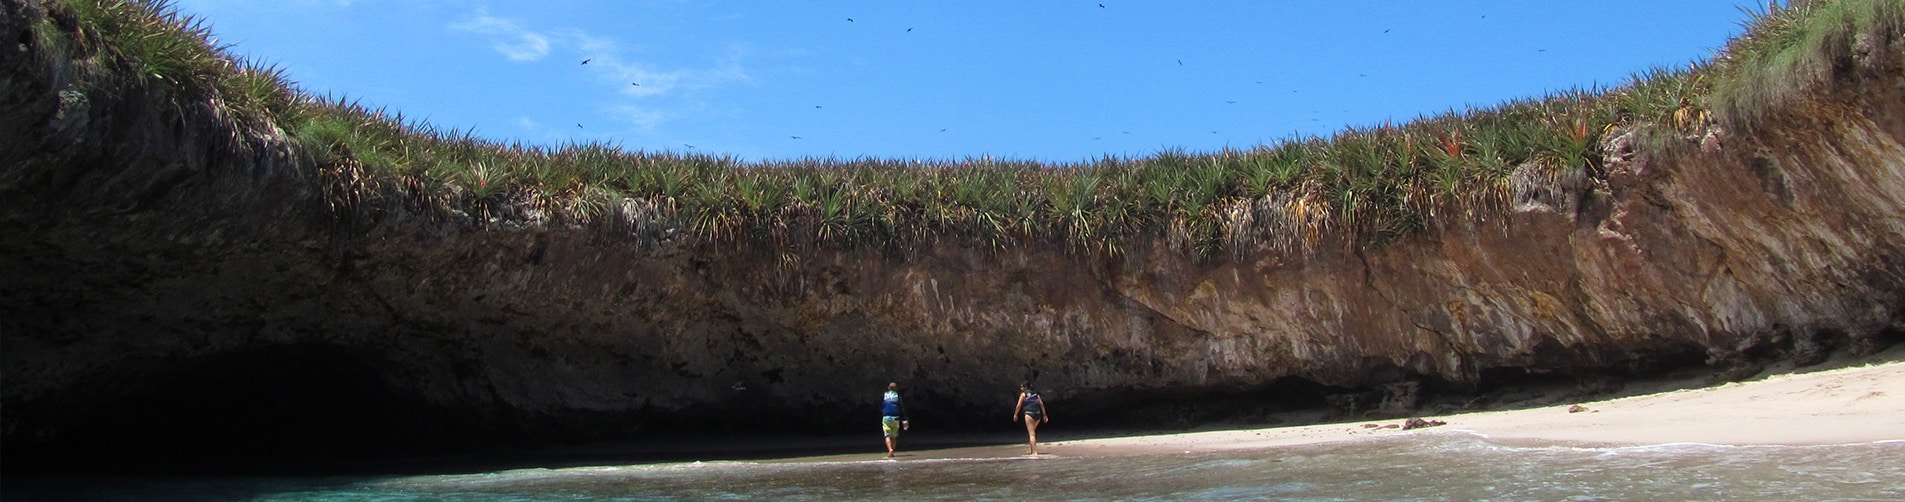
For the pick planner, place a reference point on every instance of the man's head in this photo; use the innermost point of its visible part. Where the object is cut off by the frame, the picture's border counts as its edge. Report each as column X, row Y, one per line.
column 893, row 386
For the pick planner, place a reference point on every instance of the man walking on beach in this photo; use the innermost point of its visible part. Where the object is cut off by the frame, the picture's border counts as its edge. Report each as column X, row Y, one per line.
column 892, row 416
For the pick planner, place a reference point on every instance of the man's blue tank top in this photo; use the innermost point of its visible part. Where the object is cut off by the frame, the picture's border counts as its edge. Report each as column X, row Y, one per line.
column 890, row 406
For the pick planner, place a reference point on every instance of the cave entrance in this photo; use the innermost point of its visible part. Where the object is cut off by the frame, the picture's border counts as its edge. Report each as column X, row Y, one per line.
column 284, row 407
column 1278, row 402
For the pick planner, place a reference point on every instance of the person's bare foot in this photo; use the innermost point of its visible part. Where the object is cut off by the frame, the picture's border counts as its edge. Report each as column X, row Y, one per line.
column 889, row 454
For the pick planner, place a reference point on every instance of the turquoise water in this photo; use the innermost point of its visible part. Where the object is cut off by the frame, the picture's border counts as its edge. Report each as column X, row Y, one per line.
column 1442, row 466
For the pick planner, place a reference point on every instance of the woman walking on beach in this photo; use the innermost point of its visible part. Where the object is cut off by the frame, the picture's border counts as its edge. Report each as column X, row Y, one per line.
column 1032, row 408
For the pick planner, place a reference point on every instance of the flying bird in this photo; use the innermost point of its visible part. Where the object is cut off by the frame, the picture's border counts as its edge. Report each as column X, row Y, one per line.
column 687, row 145
column 1230, row 102
column 586, row 61
column 909, row 30
column 1101, row 6
column 636, row 84
column 578, row 125
column 1385, row 31
column 816, row 106
column 849, row 20
column 1180, row 62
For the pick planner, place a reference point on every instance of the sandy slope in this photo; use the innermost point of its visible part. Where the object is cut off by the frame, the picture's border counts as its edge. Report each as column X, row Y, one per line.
column 1847, row 405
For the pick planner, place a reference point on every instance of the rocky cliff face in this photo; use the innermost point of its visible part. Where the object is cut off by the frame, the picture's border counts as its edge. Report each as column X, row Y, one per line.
column 171, row 282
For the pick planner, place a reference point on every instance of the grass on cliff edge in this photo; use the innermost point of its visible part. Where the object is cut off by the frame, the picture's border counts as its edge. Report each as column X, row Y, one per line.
column 1363, row 186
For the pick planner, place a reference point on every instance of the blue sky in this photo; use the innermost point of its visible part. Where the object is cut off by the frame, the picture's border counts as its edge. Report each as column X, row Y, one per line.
column 1050, row 80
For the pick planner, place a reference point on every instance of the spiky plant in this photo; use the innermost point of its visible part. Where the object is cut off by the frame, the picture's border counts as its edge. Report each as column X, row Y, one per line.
column 1787, row 51
column 1371, row 184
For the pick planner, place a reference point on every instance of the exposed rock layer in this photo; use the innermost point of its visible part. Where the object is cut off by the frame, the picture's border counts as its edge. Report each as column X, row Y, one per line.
column 171, row 281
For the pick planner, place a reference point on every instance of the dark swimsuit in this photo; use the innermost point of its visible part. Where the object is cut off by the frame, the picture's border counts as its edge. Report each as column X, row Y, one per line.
column 1034, row 408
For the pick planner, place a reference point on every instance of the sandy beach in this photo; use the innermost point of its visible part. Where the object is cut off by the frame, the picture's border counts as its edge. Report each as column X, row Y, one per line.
column 1861, row 402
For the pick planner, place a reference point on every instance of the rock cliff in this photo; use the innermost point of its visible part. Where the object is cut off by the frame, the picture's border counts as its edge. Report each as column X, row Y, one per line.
column 173, row 281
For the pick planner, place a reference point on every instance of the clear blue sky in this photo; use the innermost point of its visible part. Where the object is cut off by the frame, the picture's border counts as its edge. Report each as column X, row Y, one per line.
column 1052, row 80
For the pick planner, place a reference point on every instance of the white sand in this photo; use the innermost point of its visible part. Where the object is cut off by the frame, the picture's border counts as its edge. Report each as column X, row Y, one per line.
column 1848, row 405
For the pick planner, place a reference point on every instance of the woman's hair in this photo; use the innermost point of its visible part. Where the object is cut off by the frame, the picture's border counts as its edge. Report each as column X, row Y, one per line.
column 1025, row 386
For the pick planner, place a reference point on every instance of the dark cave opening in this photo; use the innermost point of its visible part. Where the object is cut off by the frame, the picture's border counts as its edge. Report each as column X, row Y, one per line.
column 269, row 409
column 1179, row 408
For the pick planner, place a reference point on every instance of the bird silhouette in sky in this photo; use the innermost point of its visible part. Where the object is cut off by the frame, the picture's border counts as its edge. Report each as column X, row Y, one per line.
column 1101, row 6
column 1230, row 102
column 849, row 20
column 636, row 84
column 578, row 125
column 1385, row 31
column 909, row 30
column 586, row 61
column 688, row 145
column 1180, row 62
column 816, row 107
column 795, row 137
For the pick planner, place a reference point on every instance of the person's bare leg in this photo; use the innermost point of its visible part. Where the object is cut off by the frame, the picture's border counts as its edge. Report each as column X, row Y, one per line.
column 1031, row 436
column 889, row 446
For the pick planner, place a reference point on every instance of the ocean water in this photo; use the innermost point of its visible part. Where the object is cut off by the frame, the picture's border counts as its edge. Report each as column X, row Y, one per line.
column 1439, row 466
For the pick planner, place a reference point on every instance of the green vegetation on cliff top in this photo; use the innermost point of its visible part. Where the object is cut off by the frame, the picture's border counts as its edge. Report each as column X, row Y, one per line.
column 1362, row 186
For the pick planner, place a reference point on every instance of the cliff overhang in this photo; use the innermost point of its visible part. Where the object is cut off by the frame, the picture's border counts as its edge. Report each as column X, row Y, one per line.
column 175, row 279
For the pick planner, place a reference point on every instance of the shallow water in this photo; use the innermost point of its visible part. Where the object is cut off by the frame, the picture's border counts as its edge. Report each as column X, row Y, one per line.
column 1445, row 466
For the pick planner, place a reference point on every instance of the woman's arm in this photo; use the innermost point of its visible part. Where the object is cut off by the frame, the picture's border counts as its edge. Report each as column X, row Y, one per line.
column 1017, row 407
